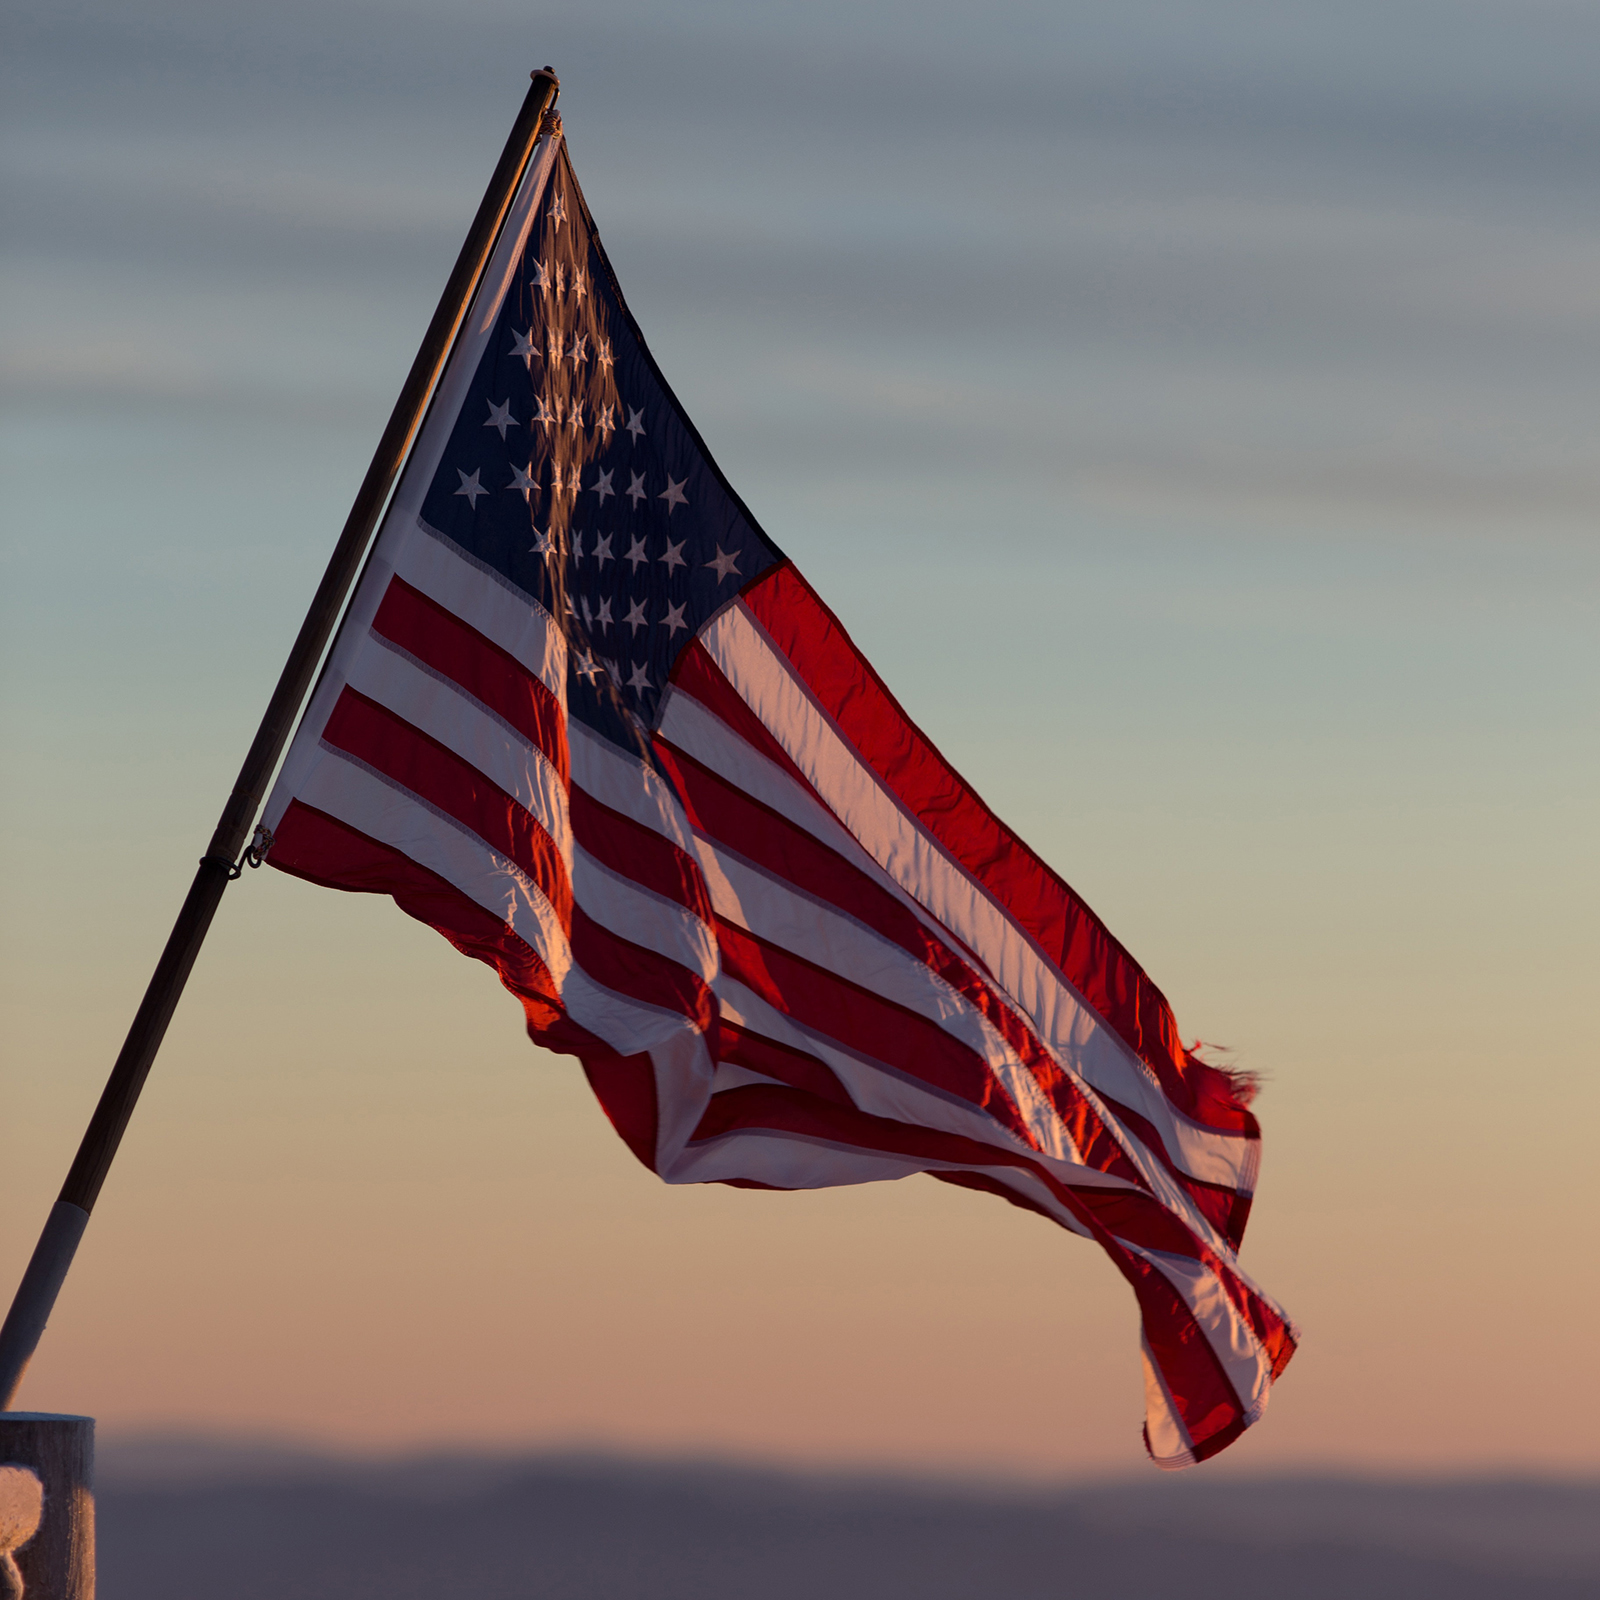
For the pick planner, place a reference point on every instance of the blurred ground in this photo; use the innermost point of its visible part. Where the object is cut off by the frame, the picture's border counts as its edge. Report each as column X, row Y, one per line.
column 182, row 1521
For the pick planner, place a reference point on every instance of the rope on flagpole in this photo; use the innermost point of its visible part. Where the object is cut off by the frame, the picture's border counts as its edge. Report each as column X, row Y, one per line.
column 223, row 861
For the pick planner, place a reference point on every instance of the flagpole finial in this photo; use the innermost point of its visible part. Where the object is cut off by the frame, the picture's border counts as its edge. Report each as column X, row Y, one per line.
column 551, row 122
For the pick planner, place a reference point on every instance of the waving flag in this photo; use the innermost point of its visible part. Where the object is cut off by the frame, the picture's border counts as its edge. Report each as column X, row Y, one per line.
column 587, row 721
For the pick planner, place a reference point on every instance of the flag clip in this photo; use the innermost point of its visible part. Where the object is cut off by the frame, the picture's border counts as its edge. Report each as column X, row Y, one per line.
column 254, row 854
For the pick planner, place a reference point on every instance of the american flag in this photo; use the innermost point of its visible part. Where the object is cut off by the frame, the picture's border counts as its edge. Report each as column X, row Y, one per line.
column 586, row 720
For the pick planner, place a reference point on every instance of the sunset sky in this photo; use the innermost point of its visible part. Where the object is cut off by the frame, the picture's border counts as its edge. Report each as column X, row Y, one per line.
column 1191, row 410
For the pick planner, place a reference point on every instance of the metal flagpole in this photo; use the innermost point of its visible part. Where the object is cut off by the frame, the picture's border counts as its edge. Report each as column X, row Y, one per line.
column 222, row 862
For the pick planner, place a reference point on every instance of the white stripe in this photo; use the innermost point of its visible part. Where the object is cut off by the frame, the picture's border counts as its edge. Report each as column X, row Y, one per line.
column 1168, row 1439
column 914, row 860
column 624, row 783
column 444, row 711
column 787, row 1161
column 1230, row 1336
column 393, row 816
column 883, row 1092
column 730, row 1076
column 683, row 1072
column 628, row 909
column 484, row 600
column 838, row 943
column 702, row 734
column 348, row 791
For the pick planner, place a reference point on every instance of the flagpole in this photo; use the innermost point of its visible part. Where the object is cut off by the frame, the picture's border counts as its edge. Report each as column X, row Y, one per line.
column 47, row 1269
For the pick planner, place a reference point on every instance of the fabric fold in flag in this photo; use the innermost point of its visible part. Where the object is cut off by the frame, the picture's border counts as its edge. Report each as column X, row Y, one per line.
column 586, row 720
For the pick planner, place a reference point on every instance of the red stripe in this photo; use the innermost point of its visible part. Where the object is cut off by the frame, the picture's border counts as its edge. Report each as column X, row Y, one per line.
column 1227, row 1209
column 311, row 844
column 438, row 638
column 987, row 1183
column 729, row 817
column 638, row 853
column 433, row 773
column 698, row 676
column 1070, row 934
column 1197, row 1385
column 864, row 1021
column 625, row 1086
column 1144, row 1221
column 796, row 1068
column 391, row 745
column 642, row 974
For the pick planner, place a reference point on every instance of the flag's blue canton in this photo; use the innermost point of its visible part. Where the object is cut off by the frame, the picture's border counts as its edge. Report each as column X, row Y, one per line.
column 573, row 472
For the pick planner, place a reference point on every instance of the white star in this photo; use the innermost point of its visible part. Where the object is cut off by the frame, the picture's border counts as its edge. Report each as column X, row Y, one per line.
column 603, row 615
column 602, row 549
column 602, row 352
column 636, row 422
column 636, row 489
column 555, row 345
column 580, row 348
column 542, row 544
column 470, row 487
column 673, row 555
column 602, row 487
column 636, row 619
column 604, row 420
column 500, row 417
column 523, row 480
column 724, row 564
column 575, row 415
column 586, row 666
column 544, row 416
column 674, row 620
column 558, row 212
column 639, row 679
column 524, row 346
column 561, row 279
column 636, row 557
column 577, row 555
column 588, row 616
column 556, row 482
column 580, row 284
column 541, row 275
column 673, row 493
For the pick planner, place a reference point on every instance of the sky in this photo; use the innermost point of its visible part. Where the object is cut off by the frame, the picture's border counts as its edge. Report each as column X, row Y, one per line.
column 1191, row 412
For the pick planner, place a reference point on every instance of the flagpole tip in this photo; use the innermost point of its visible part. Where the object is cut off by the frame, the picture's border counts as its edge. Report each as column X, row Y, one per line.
column 550, row 122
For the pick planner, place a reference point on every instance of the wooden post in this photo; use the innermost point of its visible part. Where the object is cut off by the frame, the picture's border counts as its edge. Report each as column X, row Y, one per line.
column 46, row 1506
column 30, row 1310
